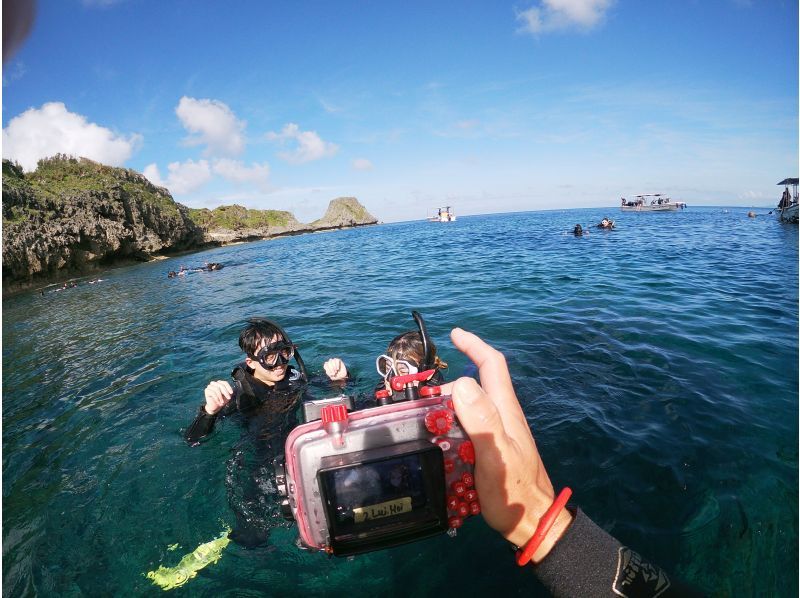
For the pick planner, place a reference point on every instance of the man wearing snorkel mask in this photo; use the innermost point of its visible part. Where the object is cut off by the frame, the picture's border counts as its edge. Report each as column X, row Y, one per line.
column 264, row 397
column 265, row 374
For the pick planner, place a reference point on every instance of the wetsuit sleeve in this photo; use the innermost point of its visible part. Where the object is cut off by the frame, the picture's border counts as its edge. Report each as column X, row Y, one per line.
column 587, row 561
column 203, row 423
column 201, row 427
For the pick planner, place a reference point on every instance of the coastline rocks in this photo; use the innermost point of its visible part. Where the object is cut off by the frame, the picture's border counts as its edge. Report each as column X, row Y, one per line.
column 73, row 215
column 235, row 224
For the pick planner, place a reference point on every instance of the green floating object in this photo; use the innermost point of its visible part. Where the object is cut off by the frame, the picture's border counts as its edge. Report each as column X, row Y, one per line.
column 169, row 578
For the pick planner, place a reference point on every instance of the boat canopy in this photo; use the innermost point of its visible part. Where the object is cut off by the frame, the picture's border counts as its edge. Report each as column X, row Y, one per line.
column 789, row 182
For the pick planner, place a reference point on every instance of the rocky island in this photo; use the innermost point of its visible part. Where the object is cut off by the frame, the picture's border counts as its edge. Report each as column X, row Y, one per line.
column 72, row 216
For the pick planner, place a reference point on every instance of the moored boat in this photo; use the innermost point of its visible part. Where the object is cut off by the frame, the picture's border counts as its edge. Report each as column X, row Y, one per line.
column 443, row 214
column 787, row 207
column 651, row 202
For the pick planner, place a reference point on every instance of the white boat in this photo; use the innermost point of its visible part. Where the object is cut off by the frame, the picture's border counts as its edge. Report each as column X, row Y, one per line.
column 787, row 206
column 443, row 214
column 651, row 202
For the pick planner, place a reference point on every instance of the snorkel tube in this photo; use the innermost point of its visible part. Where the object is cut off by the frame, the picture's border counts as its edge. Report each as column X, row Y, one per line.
column 285, row 336
column 427, row 346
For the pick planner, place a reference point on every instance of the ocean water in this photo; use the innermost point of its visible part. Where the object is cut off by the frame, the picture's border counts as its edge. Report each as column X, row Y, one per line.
column 657, row 365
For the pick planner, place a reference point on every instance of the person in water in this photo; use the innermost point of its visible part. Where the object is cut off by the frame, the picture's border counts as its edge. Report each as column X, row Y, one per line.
column 406, row 355
column 265, row 396
column 578, row 230
column 606, row 223
column 576, row 557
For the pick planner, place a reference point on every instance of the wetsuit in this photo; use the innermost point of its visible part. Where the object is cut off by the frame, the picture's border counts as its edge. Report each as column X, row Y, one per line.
column 587, row 561
column 252, row 397
column 268, row 413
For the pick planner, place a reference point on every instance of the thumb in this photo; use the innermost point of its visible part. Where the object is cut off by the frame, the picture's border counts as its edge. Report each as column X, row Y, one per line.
column 477, row 414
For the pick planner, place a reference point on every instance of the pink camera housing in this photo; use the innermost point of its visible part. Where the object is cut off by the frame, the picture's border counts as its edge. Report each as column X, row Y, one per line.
column 342, row 433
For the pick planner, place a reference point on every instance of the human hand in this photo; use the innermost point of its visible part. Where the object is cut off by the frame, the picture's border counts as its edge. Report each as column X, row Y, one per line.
column 218, row 394
column 335, row 369
column 512, row 483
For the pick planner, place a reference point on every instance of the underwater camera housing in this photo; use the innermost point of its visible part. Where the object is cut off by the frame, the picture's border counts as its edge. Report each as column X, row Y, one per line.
column 357, row 481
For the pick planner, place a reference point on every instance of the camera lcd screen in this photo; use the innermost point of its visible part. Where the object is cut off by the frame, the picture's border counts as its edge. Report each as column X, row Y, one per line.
column 383, row 497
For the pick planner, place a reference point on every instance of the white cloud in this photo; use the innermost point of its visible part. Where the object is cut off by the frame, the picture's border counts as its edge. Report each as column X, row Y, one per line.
column 42, row 132
column 214, row 125
column 310, row 146
column 555, row 15
column 183, row 177
column 236, row 171
column 362, row 164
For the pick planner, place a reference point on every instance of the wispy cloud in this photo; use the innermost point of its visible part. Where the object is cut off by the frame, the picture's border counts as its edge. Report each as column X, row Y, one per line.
column 42, row 132
column 310, row 146
column 560, row 15
column 212, row 124
column 14, row 71
column 362, row 164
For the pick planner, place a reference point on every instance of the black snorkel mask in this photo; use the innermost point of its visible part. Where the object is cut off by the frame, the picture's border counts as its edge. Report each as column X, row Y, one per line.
column 278, row 354
column 275, row 355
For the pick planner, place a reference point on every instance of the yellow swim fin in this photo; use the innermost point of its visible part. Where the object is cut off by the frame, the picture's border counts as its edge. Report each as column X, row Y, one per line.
column 209, row 553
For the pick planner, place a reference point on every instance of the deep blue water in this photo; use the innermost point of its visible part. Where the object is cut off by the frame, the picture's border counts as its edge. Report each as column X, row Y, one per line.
column 657, row 364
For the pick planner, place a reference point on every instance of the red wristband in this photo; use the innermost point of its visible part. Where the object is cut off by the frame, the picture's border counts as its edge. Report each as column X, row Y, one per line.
column 545, row 524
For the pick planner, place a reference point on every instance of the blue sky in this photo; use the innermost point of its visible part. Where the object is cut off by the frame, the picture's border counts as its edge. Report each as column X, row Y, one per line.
column 485, row 106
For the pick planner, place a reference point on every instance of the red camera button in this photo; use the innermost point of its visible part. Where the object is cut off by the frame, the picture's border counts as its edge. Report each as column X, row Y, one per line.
column 439, row 421
column 452, row 503
column 467, row 452
column 455, row 522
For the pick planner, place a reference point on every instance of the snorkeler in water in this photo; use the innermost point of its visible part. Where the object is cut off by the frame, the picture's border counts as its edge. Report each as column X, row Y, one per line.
column 410, row 353
column 265, row 395
column 606, row 223
column 578, row 231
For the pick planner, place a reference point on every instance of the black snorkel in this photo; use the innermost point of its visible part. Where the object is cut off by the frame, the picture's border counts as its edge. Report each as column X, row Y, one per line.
column 427, row 345
column 297, row 358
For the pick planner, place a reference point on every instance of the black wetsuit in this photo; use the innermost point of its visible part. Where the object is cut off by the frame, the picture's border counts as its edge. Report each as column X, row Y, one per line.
column 255, row 400
column 268, row 413
column 587, row 561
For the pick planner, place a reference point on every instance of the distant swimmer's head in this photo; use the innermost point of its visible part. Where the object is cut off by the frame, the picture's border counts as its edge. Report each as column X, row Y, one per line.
column 268, row 350
column 578, row 230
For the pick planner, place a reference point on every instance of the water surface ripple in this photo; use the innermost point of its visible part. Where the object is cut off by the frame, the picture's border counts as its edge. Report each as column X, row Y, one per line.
column 657, row 365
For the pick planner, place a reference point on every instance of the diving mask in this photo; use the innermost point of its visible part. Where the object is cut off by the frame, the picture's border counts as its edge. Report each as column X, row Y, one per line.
column 387, row 367
column 275, row 355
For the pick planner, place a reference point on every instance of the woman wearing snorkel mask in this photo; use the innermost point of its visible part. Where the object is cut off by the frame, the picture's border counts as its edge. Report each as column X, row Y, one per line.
column 410, row 353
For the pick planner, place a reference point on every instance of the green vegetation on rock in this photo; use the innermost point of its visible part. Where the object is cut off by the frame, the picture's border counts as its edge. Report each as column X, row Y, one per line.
column 237, row 217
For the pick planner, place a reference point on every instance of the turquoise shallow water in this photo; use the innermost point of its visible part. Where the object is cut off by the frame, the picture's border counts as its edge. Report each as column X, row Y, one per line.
column 657, row 364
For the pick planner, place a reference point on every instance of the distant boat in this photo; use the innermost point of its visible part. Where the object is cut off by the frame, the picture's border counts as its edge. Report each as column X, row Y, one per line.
column 443, row 214
column 651, row 202
column 787, row 206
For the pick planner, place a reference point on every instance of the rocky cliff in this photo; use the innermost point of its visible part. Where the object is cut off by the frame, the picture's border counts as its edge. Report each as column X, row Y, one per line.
column 230, row 224
column 73, row 215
